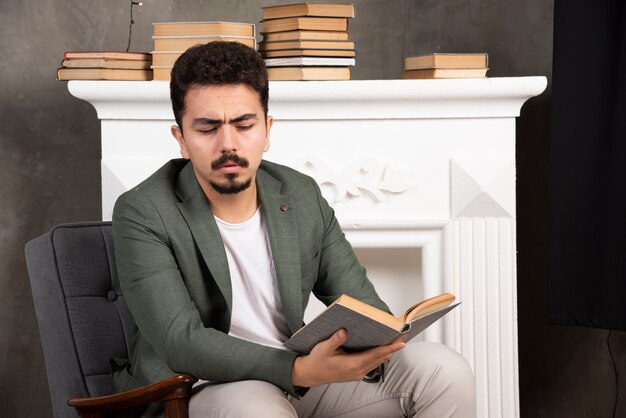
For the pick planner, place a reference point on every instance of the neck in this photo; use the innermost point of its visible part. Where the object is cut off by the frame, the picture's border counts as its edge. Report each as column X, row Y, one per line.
column 233, row 208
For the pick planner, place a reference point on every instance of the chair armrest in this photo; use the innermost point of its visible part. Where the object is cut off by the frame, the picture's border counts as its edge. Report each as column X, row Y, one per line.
column 172, row 388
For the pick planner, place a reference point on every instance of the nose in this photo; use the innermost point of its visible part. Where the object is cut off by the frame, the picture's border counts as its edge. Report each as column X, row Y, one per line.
column 228, row 139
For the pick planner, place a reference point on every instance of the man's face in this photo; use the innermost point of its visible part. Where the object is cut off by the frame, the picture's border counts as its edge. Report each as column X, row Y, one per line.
column 224, row 135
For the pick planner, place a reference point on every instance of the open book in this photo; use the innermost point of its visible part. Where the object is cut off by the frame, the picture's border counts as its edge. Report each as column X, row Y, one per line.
column 368, row 326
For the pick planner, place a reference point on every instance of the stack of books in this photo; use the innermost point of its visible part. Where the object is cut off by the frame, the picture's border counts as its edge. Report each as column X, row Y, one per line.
column 171, row 39
column 446, row 66
column 307, row 41
column 105, row 65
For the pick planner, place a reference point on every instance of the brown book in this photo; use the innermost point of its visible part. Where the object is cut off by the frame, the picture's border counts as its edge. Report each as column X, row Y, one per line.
column 182, row 43
column 162, row 73
column 105, row 63
column 445, row 73
column 368, row 326
column 308, row 9
column 102, row 74
column 112, row 55
column 446, row 61
column 241, row 30
column 305, row 35
column 308, row 73
column 274, row 46
column 164, row 59
column 309, row 53
column 305, row 23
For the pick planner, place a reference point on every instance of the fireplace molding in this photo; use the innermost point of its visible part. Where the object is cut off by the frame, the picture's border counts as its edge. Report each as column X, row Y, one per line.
column 332, row 100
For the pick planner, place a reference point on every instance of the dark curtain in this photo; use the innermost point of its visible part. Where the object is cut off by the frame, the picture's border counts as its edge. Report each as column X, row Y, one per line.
column 588, row 165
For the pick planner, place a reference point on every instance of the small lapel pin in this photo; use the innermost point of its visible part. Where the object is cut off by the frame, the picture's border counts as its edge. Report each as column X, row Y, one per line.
column 284, row 208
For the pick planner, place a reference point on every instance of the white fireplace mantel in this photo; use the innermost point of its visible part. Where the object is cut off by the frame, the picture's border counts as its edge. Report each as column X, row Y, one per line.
column 366, row 99
column 421, row 174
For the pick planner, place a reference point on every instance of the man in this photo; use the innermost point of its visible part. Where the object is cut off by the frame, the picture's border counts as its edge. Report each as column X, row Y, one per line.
column 218, row 252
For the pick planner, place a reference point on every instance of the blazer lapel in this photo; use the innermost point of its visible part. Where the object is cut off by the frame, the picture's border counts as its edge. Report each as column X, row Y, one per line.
column 282, row 229
column 195, row 208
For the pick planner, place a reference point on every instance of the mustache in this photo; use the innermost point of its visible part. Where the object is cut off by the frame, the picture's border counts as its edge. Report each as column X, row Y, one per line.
column 229, row 157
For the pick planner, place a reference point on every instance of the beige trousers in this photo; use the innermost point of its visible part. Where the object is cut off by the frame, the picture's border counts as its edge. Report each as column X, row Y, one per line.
column 424, row 380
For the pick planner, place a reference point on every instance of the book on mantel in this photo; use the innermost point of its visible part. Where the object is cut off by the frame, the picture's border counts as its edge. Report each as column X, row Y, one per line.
column 307, row 41
column 279, row 45
column 308, row 9
column 446, row 60
column 103, row 74
column 310, row 62
column 445, row 73
column 182, row 43
column 446, row 65
column 108, row 55
column 308, row 73
column 310, row 53
column 368, row 326
column 305, row 23
column 172, row 39
column 105, row 65
column 237, row 29
column 305, row 35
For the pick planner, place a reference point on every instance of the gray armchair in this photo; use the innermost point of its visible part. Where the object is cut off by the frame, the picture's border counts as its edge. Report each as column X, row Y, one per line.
column 84, row 322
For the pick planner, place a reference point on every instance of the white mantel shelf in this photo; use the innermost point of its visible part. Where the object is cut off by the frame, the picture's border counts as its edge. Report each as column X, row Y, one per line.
column 355, row 99
column 420, row 173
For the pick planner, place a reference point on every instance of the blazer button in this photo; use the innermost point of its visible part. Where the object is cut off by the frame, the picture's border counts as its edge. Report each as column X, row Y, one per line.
column 284, row 208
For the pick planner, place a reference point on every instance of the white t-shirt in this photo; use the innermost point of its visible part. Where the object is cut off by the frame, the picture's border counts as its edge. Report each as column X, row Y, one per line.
column 257, row 314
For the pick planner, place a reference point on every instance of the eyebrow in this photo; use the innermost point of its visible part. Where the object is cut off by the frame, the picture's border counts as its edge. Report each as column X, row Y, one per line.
column 209, row 121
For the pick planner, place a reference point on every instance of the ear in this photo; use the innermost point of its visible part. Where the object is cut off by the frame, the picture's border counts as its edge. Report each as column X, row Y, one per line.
column 269, row 122
column 178, row 135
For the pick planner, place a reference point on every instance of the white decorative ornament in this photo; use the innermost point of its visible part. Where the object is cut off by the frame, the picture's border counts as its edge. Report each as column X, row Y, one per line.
column 365, row 175
column 483, row 187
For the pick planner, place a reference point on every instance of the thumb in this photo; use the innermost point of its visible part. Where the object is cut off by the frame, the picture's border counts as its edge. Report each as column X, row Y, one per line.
column 336, row 340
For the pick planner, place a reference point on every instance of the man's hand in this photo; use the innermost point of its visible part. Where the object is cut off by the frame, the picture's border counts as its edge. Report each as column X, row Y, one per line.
column 327, row 363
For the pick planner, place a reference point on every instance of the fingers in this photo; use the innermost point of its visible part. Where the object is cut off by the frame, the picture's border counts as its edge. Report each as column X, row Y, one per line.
column 328, row 363
column 388, row 349
column 375, row 356
column 372, row 358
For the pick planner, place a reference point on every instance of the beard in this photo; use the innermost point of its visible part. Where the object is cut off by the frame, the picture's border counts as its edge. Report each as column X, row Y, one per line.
column 231, row 185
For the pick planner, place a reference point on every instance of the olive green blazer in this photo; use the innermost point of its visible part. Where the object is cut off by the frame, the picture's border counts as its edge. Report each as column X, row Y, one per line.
column 174, row 275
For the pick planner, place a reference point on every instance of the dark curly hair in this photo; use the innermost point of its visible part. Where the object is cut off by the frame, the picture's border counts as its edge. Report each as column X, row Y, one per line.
column 217, row 63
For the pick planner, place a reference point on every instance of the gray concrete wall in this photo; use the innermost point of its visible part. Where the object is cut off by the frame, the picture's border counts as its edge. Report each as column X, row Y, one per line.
column 50, row 156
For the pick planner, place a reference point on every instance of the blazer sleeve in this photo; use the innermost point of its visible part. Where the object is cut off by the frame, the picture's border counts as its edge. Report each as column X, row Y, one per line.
column 167, row 317
column 339, row 269
column 341, row 272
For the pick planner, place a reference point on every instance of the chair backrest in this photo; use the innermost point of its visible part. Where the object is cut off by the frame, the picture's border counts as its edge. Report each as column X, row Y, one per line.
column 83, row 318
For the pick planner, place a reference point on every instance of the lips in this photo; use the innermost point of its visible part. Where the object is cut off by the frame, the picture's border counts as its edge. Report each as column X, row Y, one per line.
column 230, row 167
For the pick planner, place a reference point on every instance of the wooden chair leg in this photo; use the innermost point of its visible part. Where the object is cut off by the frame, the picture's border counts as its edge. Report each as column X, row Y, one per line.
column 89, row 414
column 177, row 408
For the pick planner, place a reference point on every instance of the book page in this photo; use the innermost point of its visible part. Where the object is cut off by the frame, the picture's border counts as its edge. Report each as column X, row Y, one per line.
column 420, row 324
column 427, row 306
column 370, row 311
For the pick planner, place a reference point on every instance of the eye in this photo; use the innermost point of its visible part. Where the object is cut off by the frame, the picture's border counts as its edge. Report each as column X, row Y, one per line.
column 244, row 127
column 207, row 130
